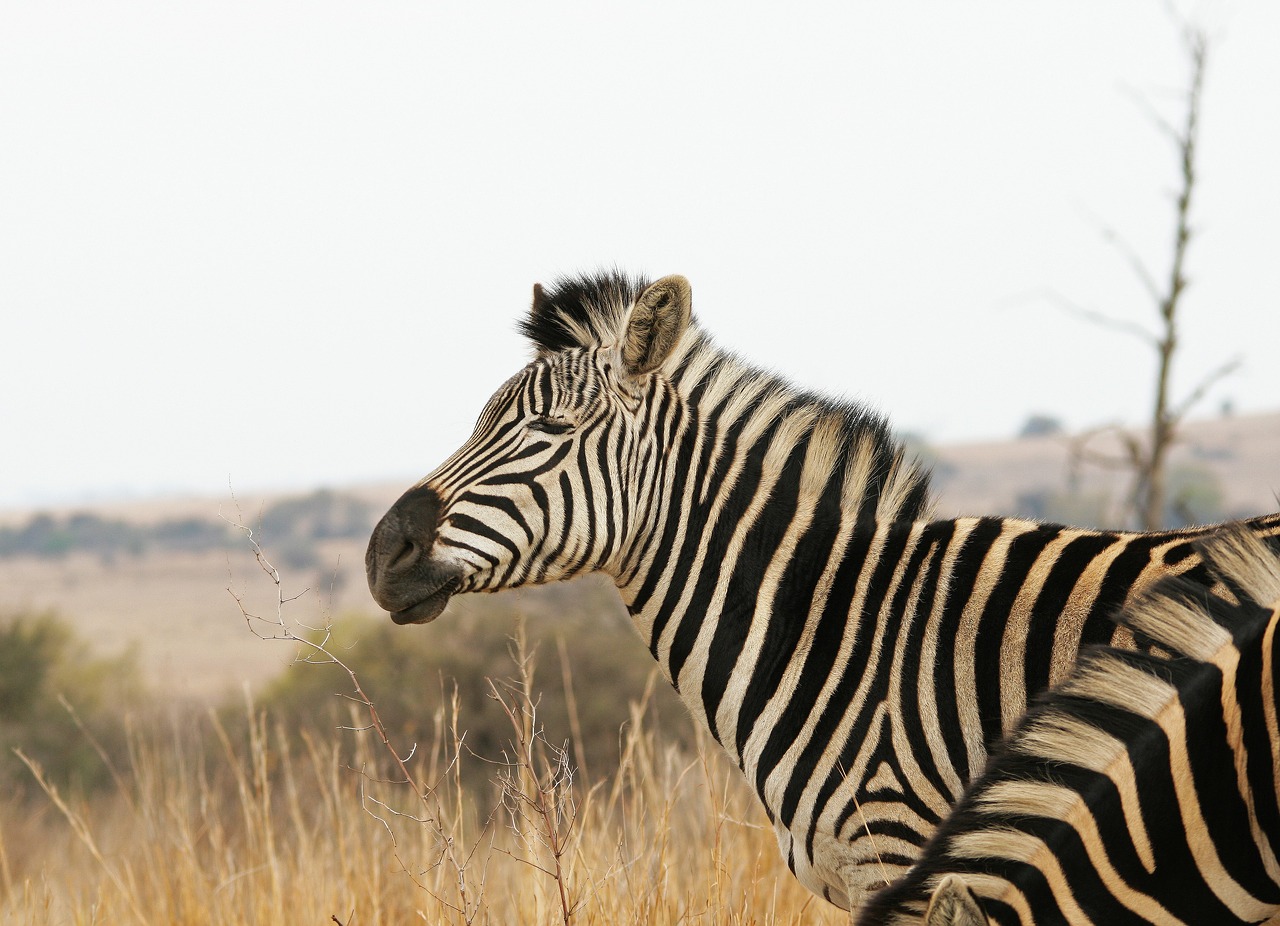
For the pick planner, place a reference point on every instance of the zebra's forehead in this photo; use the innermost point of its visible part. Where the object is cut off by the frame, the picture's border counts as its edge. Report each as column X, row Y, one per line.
column 504, row 397
column 571, row 378
column 568, row 377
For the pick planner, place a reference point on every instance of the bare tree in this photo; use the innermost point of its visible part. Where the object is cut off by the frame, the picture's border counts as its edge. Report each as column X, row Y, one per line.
column 1145, row 453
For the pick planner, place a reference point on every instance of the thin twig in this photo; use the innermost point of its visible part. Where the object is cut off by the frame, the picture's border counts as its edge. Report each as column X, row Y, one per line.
column 319, row 651
column 1099, row 318
column 1202, row 388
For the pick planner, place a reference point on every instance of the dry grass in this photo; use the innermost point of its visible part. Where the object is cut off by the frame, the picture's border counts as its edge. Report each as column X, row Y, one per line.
column 210, row 825
column 222, row 819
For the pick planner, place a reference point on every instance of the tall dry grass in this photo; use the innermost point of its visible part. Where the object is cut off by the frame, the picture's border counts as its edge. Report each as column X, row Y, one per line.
column 218, row 821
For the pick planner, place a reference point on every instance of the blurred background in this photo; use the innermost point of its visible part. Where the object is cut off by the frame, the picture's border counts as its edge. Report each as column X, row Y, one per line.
column 261, row 264
column 284, row 245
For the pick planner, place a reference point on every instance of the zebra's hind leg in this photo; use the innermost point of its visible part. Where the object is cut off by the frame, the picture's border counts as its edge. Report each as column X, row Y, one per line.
column 953, row 904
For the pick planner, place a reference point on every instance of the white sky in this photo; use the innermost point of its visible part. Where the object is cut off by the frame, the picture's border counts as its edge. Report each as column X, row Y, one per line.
column 285, row 244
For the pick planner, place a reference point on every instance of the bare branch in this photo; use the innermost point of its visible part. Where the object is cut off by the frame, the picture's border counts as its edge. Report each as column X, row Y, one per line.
column 1148, row 461
column 1099, row 318
column 1203, row 387
column 1166, row 127
column 318, row 651
column 1080, row 452
column 1145, row 277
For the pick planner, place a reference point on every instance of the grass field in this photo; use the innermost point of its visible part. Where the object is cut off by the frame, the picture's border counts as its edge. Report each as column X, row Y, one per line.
column 237, row 815
column 217, row 821
column 218, row 815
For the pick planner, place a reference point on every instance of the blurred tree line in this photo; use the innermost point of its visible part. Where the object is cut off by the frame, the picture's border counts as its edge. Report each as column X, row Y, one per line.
column 1193, row 496
column 1192, row 492
column 292, row 526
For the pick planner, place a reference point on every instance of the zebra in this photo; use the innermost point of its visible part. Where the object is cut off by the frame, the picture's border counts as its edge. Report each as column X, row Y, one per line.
column 1143, row 788
column 774, row 549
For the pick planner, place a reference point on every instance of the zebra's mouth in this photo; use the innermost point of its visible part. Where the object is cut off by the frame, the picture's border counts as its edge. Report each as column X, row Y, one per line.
column 429, row 608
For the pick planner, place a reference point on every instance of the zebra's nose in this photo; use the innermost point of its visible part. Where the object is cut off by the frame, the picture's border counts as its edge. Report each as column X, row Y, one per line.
column 401, row 543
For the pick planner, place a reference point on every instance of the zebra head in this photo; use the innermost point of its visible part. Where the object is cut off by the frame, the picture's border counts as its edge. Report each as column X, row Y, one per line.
column 561, row 462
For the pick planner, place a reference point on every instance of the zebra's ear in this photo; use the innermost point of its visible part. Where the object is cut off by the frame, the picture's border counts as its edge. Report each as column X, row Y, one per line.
column 656, row 322
column 541, row 309
column 954, row 904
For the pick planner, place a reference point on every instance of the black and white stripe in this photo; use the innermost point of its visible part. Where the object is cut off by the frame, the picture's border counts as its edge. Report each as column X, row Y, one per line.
column 857, row 660
column 1141, row 789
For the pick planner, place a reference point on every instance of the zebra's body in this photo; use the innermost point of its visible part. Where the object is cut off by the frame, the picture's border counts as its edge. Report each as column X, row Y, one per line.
column 945, row 630
column 1142, row 789
column 855, row 659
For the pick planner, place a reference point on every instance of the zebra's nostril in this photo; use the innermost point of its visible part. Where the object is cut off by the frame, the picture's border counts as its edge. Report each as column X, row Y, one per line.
column 403, row 540
column 404, row 557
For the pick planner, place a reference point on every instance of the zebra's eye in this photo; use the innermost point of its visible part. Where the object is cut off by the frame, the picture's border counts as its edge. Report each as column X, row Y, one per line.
column 550, row 425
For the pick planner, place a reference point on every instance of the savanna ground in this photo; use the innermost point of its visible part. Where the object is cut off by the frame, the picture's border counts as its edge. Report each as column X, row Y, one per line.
column 454, row 774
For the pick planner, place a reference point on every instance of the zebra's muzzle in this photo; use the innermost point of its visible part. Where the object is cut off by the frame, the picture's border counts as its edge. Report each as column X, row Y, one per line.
column 405, row 577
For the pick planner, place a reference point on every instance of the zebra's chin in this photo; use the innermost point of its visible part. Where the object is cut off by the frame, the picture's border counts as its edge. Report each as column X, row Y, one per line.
column 428, row 609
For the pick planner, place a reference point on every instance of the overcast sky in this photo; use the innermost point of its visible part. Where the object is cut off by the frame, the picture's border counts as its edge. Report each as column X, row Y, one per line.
column 285, row 244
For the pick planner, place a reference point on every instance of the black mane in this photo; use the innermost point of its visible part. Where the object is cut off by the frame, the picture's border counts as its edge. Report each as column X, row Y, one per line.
column 581, row 311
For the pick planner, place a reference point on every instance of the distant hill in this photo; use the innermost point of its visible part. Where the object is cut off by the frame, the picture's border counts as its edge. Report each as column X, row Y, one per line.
column 1230, row 467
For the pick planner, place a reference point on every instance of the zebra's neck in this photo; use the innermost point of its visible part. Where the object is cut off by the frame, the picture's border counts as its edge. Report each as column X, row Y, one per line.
column 752, row 472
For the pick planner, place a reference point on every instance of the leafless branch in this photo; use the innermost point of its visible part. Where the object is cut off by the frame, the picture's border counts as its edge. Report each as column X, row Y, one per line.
column 1140, row 100
column 1080, row 451
column 1099, row 318
column 1147, row 457
column 536, row 781
column 1135, row 262
column 1203, row 387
